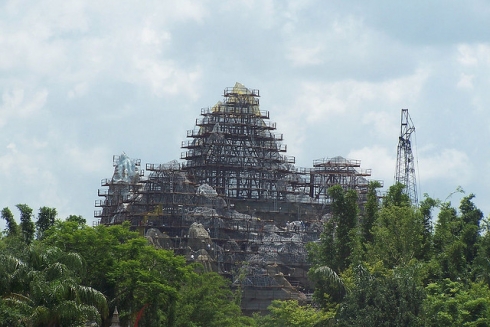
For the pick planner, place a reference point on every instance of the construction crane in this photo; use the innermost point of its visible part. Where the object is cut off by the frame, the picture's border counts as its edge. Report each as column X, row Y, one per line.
column 405, row 162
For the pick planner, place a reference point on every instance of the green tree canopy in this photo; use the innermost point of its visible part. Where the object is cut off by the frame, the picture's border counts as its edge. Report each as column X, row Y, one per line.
column 12, row 228
column 390, row 298
column 41, row 286
column 26, row 224
column 291, row 314
column 453, row 304
column 130, row 272
column 207, row 300
column 45, row 219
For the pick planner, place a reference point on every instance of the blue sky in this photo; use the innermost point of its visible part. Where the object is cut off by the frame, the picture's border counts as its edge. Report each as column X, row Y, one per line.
column 81, row 81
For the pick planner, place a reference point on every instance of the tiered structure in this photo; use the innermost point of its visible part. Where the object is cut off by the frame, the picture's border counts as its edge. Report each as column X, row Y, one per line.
column 338, row 171
column 405, row 162
column 234, row 149
column 237, row 204
column 122, row 191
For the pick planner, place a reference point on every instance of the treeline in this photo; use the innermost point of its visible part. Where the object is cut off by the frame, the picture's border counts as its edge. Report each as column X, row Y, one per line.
column 389, row 264
column 392, row 266
column 65, row 273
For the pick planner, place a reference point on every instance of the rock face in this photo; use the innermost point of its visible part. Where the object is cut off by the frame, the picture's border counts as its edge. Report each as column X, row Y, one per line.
column 198, row 233
column 264, row 260
column 237, row 205
column 158, row 239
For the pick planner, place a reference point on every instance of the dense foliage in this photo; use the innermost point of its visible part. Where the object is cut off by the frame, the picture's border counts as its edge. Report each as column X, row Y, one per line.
column 73, row 274
column 389, row 263
column 401, row 269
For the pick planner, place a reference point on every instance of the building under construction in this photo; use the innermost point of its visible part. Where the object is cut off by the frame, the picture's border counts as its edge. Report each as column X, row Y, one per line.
column 236, row 202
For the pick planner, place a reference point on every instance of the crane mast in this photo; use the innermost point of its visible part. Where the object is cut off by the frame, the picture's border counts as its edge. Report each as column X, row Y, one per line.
column 405, row 162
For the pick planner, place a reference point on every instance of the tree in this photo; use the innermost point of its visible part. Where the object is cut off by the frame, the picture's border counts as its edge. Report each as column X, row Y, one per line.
column 291, row 314
column 471, row 217
column 398, row 231
column 332, row 254
column 143, row 275
column 42, row 286
column 382, row 298
column 453, row 304
column 129, row 271
column 97, row 246
column 457, row 239
column 426, row 207
column 344, row 216
column 206, row 300
column 371, row 209
column 396, row 197
column 449, row 250
column 398, row 235
column 26, row 224
column 481, row 265
column 12, row 227
column 45, row 219
column 77, row 219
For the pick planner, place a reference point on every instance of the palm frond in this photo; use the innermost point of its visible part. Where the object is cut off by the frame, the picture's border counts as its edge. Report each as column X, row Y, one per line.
column 11, row 263
column 57, row 270
column 70, row 313
column 17, row 298
column 41, row 316
column 73, row 260
column 329, row 274
column 89, row 295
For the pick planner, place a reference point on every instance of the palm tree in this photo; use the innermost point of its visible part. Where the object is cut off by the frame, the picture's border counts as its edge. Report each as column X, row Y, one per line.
column 44, row 284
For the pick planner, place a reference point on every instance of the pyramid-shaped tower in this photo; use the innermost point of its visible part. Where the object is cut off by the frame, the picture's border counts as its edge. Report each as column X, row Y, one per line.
column 235, row 150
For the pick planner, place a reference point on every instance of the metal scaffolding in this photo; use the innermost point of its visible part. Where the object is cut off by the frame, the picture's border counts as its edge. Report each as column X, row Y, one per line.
column 236, row 199
column 405, row 162
column 234, row 149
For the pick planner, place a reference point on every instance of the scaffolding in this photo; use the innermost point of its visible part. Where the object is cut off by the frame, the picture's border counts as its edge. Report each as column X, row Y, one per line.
column 347, row 173
column 235, row 201
column 405, row 161
column 234, row 149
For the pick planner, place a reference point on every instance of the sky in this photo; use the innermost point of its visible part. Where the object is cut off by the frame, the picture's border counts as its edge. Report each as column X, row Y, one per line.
column 81, row 81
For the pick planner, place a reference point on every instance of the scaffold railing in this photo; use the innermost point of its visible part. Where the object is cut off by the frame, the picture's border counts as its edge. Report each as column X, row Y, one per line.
column 240, row 91
column 336, row 162
column 234, row 111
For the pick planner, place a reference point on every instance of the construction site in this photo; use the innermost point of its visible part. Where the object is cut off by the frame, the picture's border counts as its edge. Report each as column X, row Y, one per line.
column 235, row 201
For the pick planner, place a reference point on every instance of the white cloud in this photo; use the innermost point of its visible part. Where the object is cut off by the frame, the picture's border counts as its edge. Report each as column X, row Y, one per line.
column 315, row 47
column 445, row 164
column 21, row 160
column 15, row 103
column 164, row 77
column 380, row 159
column 382, row 123
column 318, row 101
column 29, row 48
column 78, row 90
column 81, row 43
column 473, row 66
column 472, row 55
column 33, row 177
column 152, row 37
column 85, row 159
column 434, row 166
column 465, row 81
column 74, row 74
column 306, row 55
column 12, row 147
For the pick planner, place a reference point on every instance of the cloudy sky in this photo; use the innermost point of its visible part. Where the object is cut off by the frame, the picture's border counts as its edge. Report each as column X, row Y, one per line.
column 81, row 81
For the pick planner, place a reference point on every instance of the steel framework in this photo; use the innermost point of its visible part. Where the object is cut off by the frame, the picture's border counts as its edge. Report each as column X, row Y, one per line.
column 234, row 149
column 253, row 204
column 405, row 162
